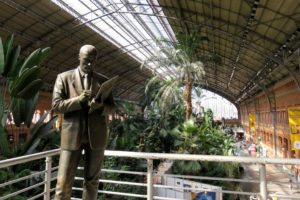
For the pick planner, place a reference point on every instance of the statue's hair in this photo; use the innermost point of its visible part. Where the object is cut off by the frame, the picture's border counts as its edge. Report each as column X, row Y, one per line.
column 87, row 49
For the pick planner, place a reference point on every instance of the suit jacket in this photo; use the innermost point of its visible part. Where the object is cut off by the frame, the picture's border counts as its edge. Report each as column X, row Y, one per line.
column 65, row 101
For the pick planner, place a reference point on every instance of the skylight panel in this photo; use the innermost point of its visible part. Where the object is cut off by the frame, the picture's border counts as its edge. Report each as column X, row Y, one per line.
column 131, row 25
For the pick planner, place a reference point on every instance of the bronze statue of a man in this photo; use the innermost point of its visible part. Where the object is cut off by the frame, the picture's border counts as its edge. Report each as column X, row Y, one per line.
column 73, row 96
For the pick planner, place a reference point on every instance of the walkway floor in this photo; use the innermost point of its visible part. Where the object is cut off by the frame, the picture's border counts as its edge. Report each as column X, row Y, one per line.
column 277, row 177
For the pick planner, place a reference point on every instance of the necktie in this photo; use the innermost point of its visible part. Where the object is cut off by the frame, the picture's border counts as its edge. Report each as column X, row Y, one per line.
column 86, row 82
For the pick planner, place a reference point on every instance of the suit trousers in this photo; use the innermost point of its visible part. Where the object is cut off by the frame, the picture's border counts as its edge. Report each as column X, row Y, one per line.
column 68, row 164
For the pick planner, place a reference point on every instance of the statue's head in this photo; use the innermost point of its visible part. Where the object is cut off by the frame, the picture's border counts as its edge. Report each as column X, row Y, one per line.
column 87, row 58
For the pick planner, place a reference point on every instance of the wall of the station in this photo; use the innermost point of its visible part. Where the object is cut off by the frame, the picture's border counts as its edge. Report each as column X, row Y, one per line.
column 258, row 120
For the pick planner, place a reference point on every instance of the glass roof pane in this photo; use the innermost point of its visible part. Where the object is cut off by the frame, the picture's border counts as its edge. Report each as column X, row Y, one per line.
column 129, row 24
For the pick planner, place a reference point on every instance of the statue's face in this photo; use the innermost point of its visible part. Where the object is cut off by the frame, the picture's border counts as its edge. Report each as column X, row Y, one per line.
column 87, row 61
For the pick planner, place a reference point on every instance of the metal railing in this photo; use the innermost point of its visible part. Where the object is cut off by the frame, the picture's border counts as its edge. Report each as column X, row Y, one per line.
column 48, row 176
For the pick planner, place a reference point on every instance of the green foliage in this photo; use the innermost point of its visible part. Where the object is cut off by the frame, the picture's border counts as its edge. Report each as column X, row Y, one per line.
column 189, row 42
column 148, row 134
column 187, row 68
column 3, row 140
column 152, row 133
column 22, row 82
column 205, row 139
column 5, row 151
column 123, row 164
column 41, row 131
column 23, row 110
column 22, row 76
column 2, row 57
column 9, row 174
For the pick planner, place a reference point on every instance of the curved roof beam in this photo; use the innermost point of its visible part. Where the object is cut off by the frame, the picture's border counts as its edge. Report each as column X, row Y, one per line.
column 221, row 20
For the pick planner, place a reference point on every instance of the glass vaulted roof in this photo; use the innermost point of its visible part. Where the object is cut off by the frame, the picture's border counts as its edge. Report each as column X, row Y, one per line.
column 132, row 25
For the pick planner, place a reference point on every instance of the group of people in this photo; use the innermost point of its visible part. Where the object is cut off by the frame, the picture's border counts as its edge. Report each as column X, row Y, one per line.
column 257, row 150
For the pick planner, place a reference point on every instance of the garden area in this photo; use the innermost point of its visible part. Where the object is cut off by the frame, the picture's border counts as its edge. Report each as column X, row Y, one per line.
column 162, row 122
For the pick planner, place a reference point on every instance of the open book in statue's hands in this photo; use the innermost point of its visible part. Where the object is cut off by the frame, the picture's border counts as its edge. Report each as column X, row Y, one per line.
column 103, row 93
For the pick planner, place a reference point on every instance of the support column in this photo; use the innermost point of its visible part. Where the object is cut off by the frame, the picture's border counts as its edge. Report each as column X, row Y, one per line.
column 48, row 178
column 149, row 179
column 263, row 182
column 257, row 113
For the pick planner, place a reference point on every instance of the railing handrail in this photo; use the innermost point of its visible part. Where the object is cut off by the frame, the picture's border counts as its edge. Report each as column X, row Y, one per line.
column 28, row 158
column 169, row 156
column 195, row 157
column 149, row 174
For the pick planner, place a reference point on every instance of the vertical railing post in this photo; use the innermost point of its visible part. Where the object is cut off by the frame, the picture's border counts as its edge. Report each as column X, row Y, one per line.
column 149, row 179
column 263, row 181
column 47, row 178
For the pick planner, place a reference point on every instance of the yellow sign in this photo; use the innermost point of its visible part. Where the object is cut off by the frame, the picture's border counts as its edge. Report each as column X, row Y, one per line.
column 252, row 126
column 252, row 121
column 294, row 122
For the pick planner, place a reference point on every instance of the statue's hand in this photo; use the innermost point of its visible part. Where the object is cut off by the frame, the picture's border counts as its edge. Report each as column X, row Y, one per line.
column 85, row 95
column 94, row 105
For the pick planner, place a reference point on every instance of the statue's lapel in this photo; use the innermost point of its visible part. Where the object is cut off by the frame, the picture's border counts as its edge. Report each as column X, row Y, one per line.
column 77, row 82
column 95, row 86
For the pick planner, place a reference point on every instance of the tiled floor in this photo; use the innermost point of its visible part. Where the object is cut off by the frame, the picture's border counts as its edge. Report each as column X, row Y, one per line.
column 277, row 176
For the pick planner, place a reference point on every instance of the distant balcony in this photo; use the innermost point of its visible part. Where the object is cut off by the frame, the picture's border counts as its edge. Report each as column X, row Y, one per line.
column 152, row 186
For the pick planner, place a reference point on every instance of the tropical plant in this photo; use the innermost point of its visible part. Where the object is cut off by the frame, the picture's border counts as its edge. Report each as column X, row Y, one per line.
column 205, row 139
column 43, row 137
column 42, row 131
column 183, row 60
column 17, row 106
column 22, row 83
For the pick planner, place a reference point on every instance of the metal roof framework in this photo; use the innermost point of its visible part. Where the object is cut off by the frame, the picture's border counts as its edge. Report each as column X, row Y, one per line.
column 258, row 40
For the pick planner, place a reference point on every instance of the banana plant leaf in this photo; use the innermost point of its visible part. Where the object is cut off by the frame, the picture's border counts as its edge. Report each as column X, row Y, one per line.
column 32, row 60
column 4, row 145
column 23, row 110
column 13, row 73
column 1, row 107
column 7, row 47
column 11, row 60
column 39, row 131
column 28, row 76
column 43, row 54
column 31, row 89
column 30, row 105
column 39, row 124
column 18, row 111
column 2, row 57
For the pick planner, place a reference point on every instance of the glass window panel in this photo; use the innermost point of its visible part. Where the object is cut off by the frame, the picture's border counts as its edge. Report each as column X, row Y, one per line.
column 131, row 27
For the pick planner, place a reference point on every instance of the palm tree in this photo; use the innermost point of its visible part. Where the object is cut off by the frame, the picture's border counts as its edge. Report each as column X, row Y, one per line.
column 183, row 65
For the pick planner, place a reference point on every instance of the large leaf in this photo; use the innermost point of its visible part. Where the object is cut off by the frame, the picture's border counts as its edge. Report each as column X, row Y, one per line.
column 14, row 72
column 31, row 89
column 7, row 46
column 11, row 60
column 2, row 57
column 28, row 76
column 40, row 130
column 18, row 111
column 1, row 107
column 43, row 55
column 31, row 61
column 8, row 50
column 39, row 124
column 4, row 145
column 30, row 105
